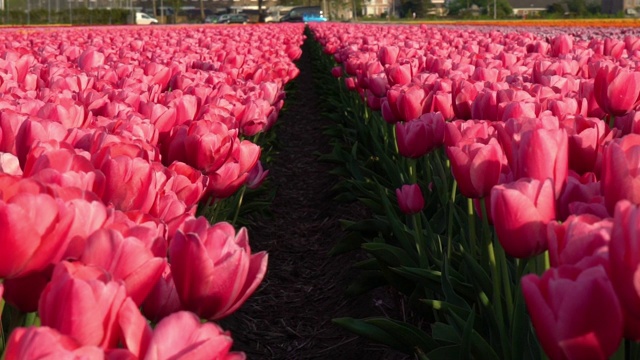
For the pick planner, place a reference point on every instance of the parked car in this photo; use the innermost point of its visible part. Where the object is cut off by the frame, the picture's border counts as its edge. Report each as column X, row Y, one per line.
column 304, row 14
column 234, row 19
column 211, row 19
column 144, row 19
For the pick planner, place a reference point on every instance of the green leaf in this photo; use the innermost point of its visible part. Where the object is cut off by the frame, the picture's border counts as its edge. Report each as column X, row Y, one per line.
column 447, row 288
column 369, row 226
column 368, row 264
column 408, row 334
column 390, row 255
column 465, row 344
column 447, row 307
column 350, row 242
column 365, row 282
column 480, row 348
column 371, row 332
column 480, row 276
column 445, row 353
column 445, row 332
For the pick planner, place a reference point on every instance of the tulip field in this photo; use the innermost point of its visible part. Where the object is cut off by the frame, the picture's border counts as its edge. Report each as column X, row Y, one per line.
column 499, row 170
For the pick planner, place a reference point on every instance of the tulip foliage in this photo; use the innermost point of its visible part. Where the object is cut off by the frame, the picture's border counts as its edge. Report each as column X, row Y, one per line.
column 121, row 150
column 501, row 168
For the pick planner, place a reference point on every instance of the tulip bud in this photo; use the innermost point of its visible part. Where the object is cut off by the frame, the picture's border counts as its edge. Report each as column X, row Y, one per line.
column 410, row 199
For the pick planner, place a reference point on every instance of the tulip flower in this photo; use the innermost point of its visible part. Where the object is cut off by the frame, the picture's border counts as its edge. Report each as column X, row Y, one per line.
column 581, row 195
column 35, row 233
column 388, row 54
column 35, row 343
column 575, row 312
column 476, row 167
column 578, row 237
column 620, row 171
column 126, row 259
column 410, row 199
column 183, row 336
column 336, row 71
column 544, row 154
column 521, row 211
column 256, row 177
column 624, row 263
column 411, row 102
column 419, row 137
column 85, row 304
column 163, row 299
column 213, row 268
column 617, row 90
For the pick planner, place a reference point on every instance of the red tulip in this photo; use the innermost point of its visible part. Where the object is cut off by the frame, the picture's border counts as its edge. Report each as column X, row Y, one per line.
column 410, row 199
column 419, row 137
column 477, row 167
column 621, row 171
column 575, row 312
column 336, row 71
column 577, row 238
column 131, row 183
column 624, row 263
column 213, row 268
column 617, row 90
column 524, row 208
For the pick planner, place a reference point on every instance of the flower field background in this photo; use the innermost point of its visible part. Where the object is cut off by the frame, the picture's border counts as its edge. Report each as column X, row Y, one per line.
column 482, row 183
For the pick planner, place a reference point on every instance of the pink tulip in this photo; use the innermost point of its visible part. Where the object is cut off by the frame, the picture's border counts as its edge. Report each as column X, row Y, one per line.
column 213, row 268
column 620, row 171
column 256, row 177
column 85, row 304
column 24, row 292
column 163, row 299
column 563, row 304
column 130, row 183
column 410, row 199
column 477, row 167
column 388, row 54
column 561, row 45
column 411, row 102
column 126, row 259
column 36, row 343
column 233, row 174
column 577, row 238
column 336, row 71
column 617, row 90
column 581, row 196
column 183, row 336
column 36, row 229
column 524, row 208
column 544, row 154
column 419, row 137
column 624, row 262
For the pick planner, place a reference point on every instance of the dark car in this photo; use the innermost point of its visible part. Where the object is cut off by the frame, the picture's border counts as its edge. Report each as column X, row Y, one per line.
column 234, row 19
column 304, row 14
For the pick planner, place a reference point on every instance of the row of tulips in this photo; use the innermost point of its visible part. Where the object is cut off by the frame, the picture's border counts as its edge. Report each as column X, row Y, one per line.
column 112, row 141
column 539, row 129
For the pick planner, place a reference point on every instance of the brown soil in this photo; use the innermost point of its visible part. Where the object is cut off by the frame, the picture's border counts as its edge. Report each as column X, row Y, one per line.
column 289, row 317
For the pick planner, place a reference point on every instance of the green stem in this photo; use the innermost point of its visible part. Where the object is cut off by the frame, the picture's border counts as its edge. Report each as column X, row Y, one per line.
column 497, row 301
column 472, row 226
column 30, row 319
column 413, row 175
column 506, row 281
column 423, row 258
column 238, row 205
column 450, row 221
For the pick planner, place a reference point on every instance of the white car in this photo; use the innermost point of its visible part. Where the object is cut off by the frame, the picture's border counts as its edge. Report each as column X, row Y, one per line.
column 144, row 19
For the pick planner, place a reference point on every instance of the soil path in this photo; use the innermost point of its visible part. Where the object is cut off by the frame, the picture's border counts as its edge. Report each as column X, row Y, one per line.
column 289, row 317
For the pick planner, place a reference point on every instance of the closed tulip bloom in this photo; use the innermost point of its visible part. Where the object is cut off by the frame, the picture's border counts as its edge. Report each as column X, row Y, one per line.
column 213, row 268
column 40, row 343
column 579, row 237
column 575, row 312
column 410, row 199
column 411, row 102
column 182, row 336
column 521, row 211
column 418, row 137
column 620, row 176
column 163, row 299
column 581, row 193
column 544, row 154
column 130, row 183
column 616, row 90
column 476, row 167
column 35, row 229
column 388, row 54
column 561, row 45
column 624, row 262
column 336, row 72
